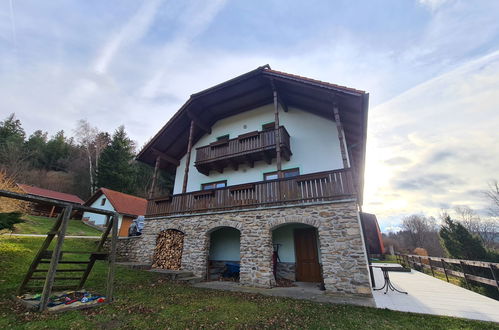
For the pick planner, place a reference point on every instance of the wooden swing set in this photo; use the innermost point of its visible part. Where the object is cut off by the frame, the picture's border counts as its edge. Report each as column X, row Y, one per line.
column 54, row 257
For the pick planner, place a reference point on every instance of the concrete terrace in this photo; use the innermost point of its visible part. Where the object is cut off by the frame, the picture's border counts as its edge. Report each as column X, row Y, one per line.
column 429, row 295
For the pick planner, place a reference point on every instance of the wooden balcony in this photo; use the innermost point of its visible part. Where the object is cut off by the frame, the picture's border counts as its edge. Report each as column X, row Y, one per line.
column 303, row 189
column 246, row 148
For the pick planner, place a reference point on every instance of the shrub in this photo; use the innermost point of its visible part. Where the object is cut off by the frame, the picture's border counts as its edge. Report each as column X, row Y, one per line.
column 8, row 220
column 8, row 205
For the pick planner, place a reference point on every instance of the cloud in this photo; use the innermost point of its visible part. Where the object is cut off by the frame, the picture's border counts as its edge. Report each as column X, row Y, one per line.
column 450, row 126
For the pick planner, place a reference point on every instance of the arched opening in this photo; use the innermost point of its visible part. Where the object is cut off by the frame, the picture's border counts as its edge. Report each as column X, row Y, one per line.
column 297, row 255
column 224, row 254
column 168, row 251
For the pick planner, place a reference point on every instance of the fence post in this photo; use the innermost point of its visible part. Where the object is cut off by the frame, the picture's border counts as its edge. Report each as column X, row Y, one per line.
column 492, row 267
column 464, row 272
column 431, row 267
column 445, row 270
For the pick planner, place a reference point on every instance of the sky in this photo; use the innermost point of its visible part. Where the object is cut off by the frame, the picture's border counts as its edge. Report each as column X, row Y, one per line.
column 431, row 68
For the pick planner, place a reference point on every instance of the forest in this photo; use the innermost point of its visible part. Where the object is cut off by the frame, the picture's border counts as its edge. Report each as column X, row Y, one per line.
column 78, row 163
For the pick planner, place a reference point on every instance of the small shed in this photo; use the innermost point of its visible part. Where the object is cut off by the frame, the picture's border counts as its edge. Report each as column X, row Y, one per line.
column 372, row 234
column 48, row 210
column 128, row 206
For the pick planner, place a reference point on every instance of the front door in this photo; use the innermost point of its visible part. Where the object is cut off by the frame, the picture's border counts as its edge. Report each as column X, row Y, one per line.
column 307, row 259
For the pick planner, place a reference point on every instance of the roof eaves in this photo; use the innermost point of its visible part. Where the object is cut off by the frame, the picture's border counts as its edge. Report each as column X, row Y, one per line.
column 314, row 82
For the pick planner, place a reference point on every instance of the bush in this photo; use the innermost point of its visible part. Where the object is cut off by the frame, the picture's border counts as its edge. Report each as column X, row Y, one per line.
column 10, row 204
column 8, row 220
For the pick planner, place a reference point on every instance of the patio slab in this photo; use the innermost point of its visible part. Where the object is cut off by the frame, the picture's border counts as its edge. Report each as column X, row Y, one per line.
column 429, row 295
column 302, row 290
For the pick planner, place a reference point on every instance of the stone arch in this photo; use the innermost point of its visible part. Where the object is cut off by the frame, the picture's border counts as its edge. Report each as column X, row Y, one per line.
column 177, row 227
column 224, row 223
column 274, row 223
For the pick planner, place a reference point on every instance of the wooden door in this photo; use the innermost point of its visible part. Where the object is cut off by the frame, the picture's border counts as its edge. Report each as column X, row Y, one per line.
column 125, row 225
column 307, row 259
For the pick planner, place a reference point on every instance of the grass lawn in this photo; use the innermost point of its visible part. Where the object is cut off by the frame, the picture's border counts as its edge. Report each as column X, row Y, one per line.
column 41, row 225
column 144, row 300
column 389, row 259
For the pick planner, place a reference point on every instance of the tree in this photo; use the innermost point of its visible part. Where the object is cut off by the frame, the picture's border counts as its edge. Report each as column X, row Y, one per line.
column 35, row 148
column 116, row 170
column 418, row 227
column 57, row 152
column 12, row 155
column 460, row 243
column 11, row 131
column 485, row 228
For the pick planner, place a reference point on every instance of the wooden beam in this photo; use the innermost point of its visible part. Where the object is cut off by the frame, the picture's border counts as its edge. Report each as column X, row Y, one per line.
column 154, row 176
column 188, row 159
column 112, row 259
column 165, row 157
column 341, row 137
column 277, row 136
column 54, row 261
column 198, row 122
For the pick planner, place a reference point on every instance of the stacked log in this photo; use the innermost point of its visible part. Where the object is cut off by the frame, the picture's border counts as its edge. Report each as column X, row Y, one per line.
column 168, row 251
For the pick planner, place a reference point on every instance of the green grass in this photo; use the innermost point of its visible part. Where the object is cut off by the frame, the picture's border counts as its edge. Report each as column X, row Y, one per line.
column 41, row 225
column 389, row 259
column 144, row 300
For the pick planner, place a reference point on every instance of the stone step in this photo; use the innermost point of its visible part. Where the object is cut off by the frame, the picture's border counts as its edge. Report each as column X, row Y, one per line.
column 135, row 265
column 190, row 280
column 173, row 274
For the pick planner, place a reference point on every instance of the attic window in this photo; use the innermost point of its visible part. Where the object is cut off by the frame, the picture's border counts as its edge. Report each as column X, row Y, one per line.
column 103, row 202
column 223, row 137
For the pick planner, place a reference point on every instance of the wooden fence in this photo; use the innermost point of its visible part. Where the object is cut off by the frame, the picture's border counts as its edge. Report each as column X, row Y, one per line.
column 469, row 270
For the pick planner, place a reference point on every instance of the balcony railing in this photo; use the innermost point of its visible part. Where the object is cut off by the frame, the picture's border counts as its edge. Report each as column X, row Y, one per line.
column 308, row 188
column 246, row 148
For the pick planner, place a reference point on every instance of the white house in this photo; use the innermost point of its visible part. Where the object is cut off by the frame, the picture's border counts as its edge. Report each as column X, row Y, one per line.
column 269, row 170
column 128, row 207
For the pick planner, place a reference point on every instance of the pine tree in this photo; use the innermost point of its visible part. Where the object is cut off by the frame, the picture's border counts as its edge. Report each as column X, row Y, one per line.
column 459, row 242
column 115, row 170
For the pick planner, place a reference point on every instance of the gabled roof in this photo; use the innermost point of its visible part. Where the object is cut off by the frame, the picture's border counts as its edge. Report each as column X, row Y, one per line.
column 254, row 89
column 122, row 203
column 36, row 191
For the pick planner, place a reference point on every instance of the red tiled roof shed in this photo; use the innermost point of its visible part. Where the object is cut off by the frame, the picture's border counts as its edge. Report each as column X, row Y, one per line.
column 36, row 191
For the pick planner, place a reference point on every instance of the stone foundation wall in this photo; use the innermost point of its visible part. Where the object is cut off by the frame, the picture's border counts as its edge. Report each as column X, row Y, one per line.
column 344, row 262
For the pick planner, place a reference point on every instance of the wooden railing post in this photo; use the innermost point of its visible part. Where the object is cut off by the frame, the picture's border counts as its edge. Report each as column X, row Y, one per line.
column 431, row 267
column 464, row 273
column 445, row 270
column 492, row 270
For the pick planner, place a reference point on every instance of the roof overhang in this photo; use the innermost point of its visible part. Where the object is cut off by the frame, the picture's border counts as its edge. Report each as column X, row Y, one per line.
column 255, row 89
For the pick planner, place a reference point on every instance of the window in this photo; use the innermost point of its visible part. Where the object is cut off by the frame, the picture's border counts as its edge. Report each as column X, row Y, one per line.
column 285, row 174
column 223, row 137
column 103, row 202
column 268, row 126
column 214, row 185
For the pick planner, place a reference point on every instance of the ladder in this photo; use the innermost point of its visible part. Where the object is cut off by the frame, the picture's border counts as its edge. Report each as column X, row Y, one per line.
column 75, row 273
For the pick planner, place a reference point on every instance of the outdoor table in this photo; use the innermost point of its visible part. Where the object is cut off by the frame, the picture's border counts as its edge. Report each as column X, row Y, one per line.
column 388, row 284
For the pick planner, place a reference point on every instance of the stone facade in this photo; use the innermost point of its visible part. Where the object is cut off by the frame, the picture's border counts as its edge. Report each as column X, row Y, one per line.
column 344, row 262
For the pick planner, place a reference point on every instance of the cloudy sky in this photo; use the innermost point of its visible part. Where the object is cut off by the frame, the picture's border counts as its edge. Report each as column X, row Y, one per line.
column 431, row 68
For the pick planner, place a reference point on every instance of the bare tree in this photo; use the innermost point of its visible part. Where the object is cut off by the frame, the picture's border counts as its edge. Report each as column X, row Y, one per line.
column 493, row 196
column 419, row 228
column 487, row 228
column 86, row 135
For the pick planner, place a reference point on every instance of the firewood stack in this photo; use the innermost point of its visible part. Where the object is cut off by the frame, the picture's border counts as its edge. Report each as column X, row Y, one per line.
column 168, row 252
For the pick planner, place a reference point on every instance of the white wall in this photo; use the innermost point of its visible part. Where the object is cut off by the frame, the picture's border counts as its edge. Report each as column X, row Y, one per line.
column 314, row 144
column 284, row 235
column 225, row 244
column 100, row 219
